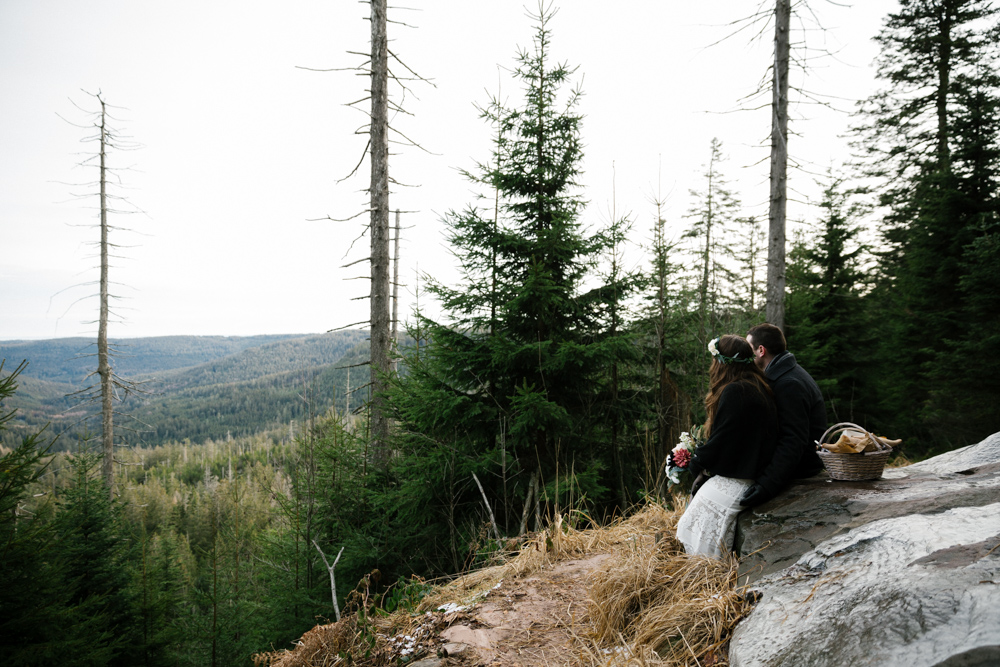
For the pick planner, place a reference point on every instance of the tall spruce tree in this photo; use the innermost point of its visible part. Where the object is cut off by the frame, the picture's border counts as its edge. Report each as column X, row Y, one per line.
column 712, row 222
column 960, row 405
column 664, row 327
column 159, row 599
column 506, row 385
column 618, row 398
column 34, row 604
column 919, row 146
column 95, row 554
column 825, row 321
column 751, row 256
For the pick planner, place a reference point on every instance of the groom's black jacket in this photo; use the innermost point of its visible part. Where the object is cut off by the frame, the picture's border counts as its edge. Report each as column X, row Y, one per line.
column 801, row 422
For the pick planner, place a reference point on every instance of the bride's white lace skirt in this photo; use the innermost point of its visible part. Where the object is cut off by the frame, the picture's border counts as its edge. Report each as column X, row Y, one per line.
column 708, row 525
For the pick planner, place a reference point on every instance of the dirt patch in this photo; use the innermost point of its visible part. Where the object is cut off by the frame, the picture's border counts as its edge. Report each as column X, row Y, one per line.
column 529, row 621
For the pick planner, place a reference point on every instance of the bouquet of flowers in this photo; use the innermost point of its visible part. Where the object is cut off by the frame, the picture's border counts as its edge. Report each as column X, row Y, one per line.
column 680, row 456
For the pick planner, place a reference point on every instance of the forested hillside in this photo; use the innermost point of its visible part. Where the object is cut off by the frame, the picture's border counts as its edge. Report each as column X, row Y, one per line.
column 70, row 360
column 189, row 387
column 546, row 388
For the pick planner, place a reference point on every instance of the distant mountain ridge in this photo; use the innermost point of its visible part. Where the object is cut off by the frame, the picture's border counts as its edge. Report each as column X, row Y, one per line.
column 69, row 360
column 197, row 387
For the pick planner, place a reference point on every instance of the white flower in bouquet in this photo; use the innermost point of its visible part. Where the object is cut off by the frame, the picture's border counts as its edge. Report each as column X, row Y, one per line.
column 687, row 442
column 673, row 475
column 680, row 457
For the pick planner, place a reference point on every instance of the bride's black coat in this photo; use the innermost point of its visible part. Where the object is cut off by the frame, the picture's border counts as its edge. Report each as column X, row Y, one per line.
column 743, row 434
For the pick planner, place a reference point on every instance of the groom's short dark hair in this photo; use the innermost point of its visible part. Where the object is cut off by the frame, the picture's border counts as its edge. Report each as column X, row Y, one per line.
column 770, row 337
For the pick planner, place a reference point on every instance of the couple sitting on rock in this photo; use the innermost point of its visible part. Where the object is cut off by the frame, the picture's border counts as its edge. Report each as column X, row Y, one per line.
column 764, row 415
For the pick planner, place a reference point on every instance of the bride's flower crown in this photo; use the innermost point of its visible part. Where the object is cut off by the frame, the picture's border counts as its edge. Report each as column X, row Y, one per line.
column 713, row 347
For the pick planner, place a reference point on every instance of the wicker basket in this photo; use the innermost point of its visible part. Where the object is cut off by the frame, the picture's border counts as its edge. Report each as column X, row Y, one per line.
column 854, row 467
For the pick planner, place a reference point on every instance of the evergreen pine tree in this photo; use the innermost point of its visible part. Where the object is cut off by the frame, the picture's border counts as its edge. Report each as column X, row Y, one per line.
column 751, row 257
column 825, row 319
column 618, row 396
column 960, row 404
column 34, row 606
column 159, row 598
column 511, row 376
column 95, row 555
column 920, row 145
column 712, row 225
column 665, row 325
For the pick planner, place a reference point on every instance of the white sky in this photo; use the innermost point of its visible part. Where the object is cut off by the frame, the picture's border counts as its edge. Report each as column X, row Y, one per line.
column 241, row 149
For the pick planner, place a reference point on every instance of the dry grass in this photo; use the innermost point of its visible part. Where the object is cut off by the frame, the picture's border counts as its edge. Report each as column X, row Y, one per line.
column 365, row 639
column 653, row 604
column 898, row 460
column 323, row 646
column 650, row 604
column 556, row 543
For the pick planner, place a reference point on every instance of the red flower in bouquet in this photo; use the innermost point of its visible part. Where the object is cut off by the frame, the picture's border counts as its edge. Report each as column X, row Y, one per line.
column 682, row 457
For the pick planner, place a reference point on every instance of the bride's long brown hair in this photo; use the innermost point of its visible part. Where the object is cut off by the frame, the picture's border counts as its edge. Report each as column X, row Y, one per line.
column 720, row 374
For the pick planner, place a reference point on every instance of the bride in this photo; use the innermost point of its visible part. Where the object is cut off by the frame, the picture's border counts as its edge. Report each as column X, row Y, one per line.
column 741, row 426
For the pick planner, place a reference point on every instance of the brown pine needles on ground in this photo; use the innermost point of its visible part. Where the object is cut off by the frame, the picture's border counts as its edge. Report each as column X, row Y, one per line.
column 650, row 604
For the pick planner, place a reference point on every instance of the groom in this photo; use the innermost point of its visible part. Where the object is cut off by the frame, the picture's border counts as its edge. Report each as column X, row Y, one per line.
column 801, row 415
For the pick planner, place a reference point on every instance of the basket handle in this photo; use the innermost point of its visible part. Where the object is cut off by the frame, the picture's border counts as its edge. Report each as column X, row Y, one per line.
column 879, row 443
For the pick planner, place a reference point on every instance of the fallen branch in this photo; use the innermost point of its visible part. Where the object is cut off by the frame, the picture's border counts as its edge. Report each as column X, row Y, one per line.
column 333, row 582
column 493, row 520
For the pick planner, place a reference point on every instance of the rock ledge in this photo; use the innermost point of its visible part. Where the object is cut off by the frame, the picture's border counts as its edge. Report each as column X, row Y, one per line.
column 901, row 571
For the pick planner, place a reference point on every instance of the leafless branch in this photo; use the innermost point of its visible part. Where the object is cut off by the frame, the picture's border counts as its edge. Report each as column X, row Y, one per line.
column 332, row 69
column 410, row 70
column 348, row 326
column 411, row 142
column 358, row 165
column 356, row 215
column 363, row 363
column 358, row 261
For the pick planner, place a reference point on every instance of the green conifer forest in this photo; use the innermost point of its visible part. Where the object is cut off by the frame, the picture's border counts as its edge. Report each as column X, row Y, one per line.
column 554, row 376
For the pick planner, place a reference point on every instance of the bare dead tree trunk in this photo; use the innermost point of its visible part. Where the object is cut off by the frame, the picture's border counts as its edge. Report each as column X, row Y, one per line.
column 379, row 230
column 663, row 440
column 707, row 255
column 538, row 501
column 528, row 499
column 614, row 307
column 103, row 361
column 775, row 298
column 395, row 296
column 754, row 252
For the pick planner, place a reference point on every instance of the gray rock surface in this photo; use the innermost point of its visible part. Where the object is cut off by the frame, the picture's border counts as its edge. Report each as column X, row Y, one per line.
column 775, row 535
column 428, row 662
column 901, row 571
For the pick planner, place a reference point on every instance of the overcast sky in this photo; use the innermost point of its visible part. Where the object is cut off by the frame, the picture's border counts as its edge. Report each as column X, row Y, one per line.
column 242, row 149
